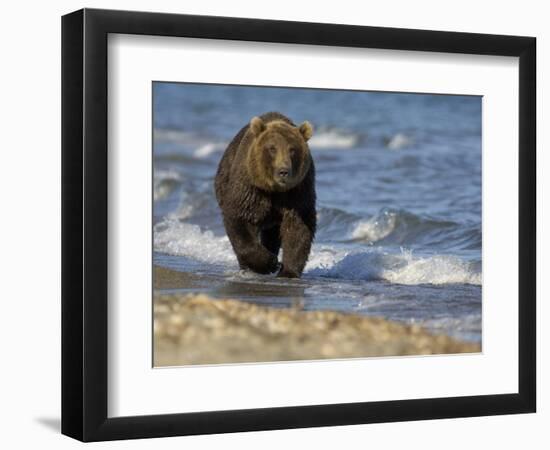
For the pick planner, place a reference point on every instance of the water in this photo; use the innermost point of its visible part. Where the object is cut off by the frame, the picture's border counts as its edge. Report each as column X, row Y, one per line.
column 399, row 200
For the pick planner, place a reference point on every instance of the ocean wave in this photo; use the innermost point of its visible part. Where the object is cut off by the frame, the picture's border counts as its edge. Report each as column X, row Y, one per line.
column 164, row 183
column 398, row 141
column 209, row 148
column 400, row 227
column 201, row 146
column 376, row 228
column 172, row 135
column 333, row 139
column 393, row 227
column 334, row 223
column 401, row 268
column 174, row 237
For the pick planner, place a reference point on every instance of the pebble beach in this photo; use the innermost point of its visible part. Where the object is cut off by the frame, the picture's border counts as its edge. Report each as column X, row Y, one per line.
column 192, row 329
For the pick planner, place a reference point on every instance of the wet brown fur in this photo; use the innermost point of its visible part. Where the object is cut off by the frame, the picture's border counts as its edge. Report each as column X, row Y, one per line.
column 263, row 213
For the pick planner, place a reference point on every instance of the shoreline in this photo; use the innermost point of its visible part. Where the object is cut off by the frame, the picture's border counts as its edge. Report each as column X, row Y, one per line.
column 194, row 328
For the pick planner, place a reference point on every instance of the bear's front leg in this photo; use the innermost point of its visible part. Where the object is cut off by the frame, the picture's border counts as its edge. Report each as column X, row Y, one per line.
column 297, row 233
column 251, row 254
column 271, row 239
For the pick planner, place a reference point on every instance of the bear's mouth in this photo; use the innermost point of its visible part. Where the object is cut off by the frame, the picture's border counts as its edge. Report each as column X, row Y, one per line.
column 283, row 182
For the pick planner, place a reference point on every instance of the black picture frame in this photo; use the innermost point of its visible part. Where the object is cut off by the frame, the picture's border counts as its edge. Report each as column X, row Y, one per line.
column 84, row 224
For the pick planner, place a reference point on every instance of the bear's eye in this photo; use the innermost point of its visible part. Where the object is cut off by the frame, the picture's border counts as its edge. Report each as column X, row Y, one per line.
column 292, row 151
column 271, row 149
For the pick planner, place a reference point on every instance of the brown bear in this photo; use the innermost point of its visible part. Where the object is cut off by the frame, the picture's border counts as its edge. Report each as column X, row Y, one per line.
column 265, row 187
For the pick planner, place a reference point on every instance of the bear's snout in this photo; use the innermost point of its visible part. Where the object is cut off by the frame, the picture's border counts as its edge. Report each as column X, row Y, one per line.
column 283, row 175
column 283, row 167
column 284, row 172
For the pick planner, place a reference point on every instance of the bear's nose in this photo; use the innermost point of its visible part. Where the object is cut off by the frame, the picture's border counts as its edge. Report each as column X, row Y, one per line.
column 283, row 173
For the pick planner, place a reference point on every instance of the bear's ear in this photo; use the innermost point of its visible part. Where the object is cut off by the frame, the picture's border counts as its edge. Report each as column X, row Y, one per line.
column 257, row 125
column 306, row 130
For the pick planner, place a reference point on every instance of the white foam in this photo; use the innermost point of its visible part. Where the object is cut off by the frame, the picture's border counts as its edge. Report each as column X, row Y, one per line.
column 164, row 181
column 376, row 228
column 174, row 237
column 401, row 268
column 440, row 269
column 333, row 139
column 323, row 257
column 207, row 149
column 184, row 212
column 167, row 135
column 398, row 141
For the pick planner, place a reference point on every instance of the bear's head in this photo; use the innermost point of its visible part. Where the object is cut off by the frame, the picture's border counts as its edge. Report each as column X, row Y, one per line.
column 278, row 158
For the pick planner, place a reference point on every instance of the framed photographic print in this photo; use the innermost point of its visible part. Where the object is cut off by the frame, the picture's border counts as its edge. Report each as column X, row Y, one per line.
column 273, row 224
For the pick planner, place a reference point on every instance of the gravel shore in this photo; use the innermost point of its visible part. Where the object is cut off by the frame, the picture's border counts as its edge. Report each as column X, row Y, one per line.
column 197, row 329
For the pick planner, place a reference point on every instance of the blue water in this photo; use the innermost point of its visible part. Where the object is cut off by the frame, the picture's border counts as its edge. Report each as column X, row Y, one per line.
column 399, row 200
